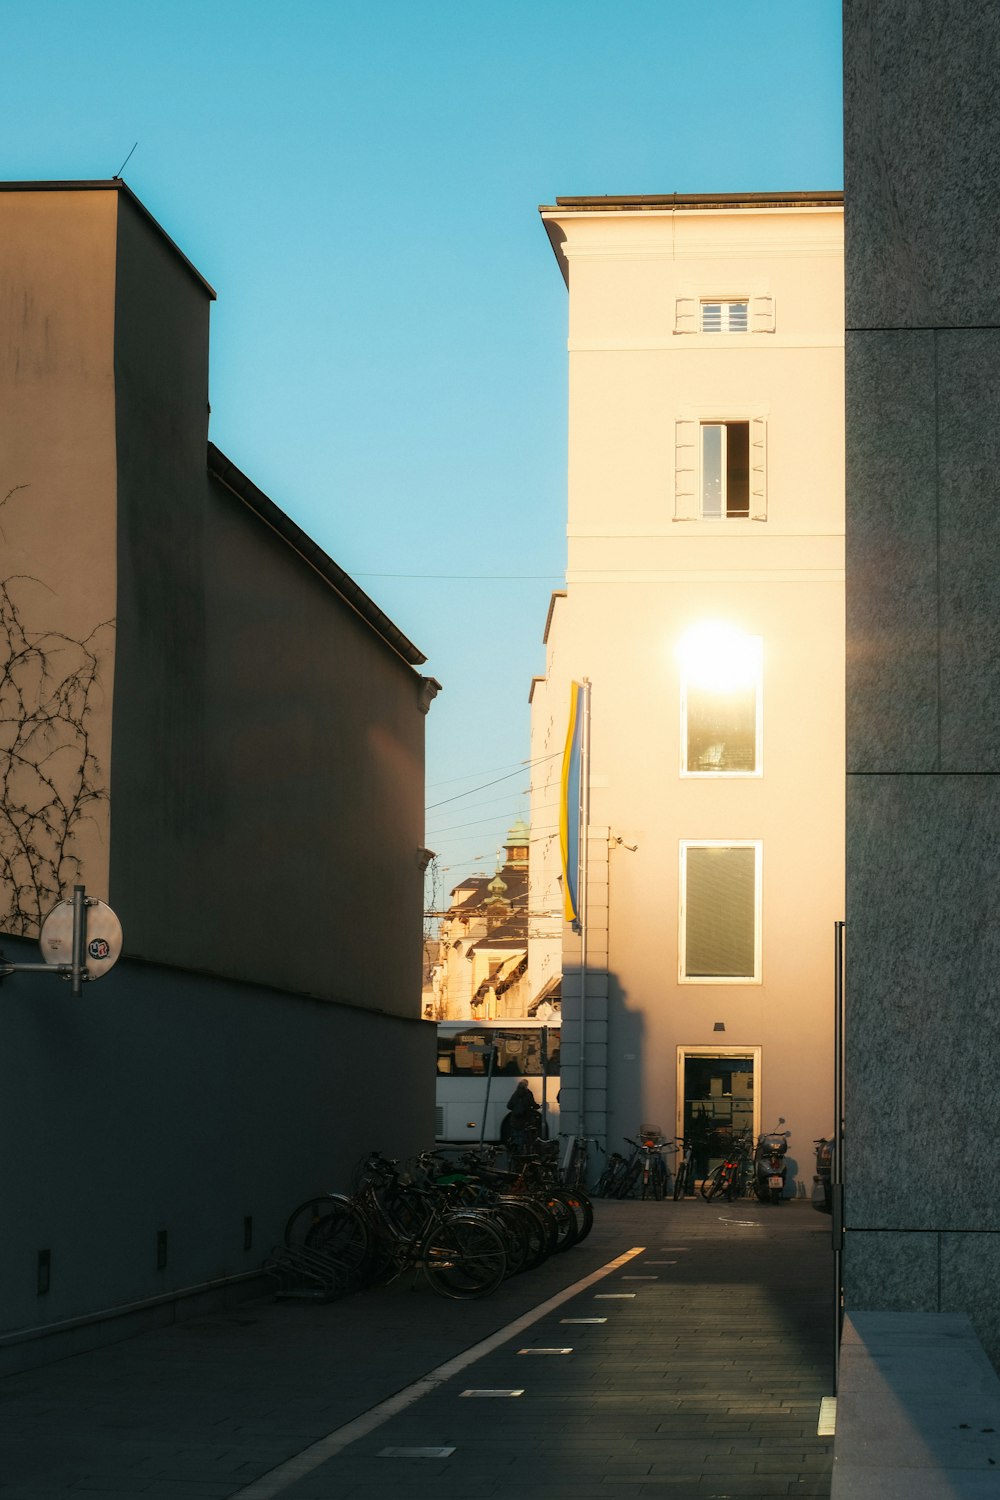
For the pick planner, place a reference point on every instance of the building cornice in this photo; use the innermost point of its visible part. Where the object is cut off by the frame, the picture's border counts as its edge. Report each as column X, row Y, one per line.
column 666, row 204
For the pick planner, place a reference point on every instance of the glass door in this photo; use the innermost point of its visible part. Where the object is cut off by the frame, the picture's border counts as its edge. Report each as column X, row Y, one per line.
column 716, row 1100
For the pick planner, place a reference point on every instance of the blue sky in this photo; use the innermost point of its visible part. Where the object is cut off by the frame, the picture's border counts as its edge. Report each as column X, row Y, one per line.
column 360, row 183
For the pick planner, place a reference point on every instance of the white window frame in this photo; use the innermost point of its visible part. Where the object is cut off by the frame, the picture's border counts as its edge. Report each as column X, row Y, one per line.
column 726, row 306
column 689, row 475
column 755, row 1053
column 721, row 979
column 722, row 426
column 758, row 688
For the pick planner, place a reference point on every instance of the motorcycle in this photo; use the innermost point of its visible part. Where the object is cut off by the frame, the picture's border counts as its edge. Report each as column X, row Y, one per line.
column 769, row 1166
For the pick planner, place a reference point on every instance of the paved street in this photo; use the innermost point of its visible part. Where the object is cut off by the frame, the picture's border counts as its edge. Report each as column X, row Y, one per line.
column 703, row 1378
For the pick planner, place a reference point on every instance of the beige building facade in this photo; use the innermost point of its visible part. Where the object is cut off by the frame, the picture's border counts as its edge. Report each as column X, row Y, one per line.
column 704, row 607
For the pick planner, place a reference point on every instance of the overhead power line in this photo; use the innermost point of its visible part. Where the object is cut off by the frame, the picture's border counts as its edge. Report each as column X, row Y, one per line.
column 481, row 788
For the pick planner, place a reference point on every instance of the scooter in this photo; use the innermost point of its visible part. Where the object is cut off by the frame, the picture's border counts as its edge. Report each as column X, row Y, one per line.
column 769, row 1166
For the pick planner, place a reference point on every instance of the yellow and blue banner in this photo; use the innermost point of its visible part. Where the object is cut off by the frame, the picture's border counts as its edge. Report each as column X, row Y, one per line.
column 571, row 803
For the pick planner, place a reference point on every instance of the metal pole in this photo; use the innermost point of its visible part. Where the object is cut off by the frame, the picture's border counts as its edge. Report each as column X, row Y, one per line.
column 489, row 1084
column 79, row 939
column 584, row 845
column 837, row 1165
column 545, row 1082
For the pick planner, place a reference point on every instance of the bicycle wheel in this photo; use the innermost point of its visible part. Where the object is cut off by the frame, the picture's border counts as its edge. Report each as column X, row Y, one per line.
column 332, row 1227
column 513, row 1231
column 537, row 1235
column 658, row 1178
column 712, row 1185
column 463, row 1256
column 583, row 1211
column 680, row 1182
column 565, row 1219
column 605, row 1185
column 630, row 1179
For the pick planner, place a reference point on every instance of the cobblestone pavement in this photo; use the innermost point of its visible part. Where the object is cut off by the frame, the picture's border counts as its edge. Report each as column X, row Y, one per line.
column 703, row 1378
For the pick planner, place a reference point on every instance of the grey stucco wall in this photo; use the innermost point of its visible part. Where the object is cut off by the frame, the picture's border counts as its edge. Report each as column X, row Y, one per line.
column 922, row 174
column 165, row 1100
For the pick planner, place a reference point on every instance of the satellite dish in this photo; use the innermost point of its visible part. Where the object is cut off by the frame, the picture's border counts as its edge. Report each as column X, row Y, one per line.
column 103, row 937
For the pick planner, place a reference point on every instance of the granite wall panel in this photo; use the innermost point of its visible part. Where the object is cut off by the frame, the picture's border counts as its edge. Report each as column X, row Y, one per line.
column 923, row 996
column 922, row 161
column 927, row 1272
column 892, row 611
column 970, row 1279
column 891, row 1271
column 968, row 443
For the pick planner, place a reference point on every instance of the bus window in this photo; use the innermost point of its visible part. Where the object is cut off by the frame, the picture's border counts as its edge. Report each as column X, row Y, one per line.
column 518, row 1053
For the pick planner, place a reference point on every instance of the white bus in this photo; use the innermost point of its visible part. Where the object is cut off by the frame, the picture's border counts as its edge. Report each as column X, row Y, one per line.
column 479, row 1065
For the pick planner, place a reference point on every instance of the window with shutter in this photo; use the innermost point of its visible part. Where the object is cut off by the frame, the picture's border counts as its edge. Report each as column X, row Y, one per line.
column 720, row 470
column 724, row 314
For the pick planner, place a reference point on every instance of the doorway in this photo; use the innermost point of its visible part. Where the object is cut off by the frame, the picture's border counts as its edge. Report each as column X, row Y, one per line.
column 717, row 1094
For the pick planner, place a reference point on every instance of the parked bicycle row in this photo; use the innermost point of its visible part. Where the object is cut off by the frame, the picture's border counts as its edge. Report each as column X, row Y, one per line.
column 747, row 1169
column 464, row 1225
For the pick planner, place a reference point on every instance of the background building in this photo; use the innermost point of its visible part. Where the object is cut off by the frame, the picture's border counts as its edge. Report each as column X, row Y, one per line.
column 480, row 967
column 704, row 607
column 212, row 727
column 923, row 665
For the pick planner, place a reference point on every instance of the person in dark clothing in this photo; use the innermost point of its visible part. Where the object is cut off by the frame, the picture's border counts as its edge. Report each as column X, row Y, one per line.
column 522, row 1121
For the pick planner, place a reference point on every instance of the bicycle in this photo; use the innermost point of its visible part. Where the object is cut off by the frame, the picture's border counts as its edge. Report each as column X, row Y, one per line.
column 684, row 1185
column 731, row 1178
column 389, row 1227
column 611, row 1182
column 575, row 1167
column 646, row 1170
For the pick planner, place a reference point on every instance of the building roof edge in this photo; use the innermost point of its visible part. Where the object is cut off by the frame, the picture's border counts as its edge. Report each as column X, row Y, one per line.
column 225, row 471
column 112, row 185
column 624, row 202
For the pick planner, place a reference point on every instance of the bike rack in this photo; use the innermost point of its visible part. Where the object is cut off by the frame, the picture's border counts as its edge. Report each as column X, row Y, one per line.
column 309, row 1274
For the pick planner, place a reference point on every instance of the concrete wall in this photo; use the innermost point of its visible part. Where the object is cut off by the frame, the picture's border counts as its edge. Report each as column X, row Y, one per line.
column 163, row 1100
column 637, row 579
column 923, row 390
column 268, row 767
column 57, row 452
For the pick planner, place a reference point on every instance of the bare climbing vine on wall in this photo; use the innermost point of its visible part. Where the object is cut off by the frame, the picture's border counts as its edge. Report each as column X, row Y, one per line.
column 50, row 778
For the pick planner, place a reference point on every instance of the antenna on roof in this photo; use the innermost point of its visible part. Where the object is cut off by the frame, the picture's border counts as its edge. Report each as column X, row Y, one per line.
column 123, row 165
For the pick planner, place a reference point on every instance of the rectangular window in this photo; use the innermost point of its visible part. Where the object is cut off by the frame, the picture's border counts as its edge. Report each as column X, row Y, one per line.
column 721, row 703
column 725, row 317
column 725, row 469
column 750, row 314
column 720, row 469
column 720, row 732
column 720, row 912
